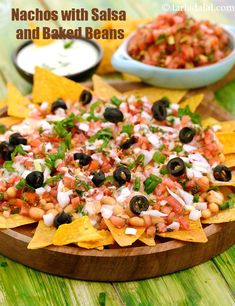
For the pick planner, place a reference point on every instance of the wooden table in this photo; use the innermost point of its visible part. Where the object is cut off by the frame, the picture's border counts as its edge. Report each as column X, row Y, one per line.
column 211, row 283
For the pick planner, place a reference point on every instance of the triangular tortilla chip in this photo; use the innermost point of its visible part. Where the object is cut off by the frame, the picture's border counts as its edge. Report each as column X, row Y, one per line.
column 106, row 239
column 230, row 160
column 103, row 90
column 17, row 103
column 119, row 234
column 9, row 121
column 209, row 122
column 226, row 126
column 14, row 221
column 193, row 102
column 227, row 215
column 43, row 236
column 194, row 234
column 80, row 230
column 153, row 94
column 49, row 87
column 3, row 103
column 227, row 139
column 41, row 41
column 150, row 241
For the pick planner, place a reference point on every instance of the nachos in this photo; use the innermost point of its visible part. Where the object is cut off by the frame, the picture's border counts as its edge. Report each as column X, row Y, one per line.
column 102, row 168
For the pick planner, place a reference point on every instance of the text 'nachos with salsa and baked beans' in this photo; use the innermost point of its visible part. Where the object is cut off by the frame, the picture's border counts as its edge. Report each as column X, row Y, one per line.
column 104, row 168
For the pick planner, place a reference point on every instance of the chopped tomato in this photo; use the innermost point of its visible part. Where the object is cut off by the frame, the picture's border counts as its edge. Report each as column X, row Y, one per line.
column 183, row 223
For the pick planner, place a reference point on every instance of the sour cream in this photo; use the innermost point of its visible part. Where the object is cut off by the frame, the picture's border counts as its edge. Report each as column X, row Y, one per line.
column 62, row 57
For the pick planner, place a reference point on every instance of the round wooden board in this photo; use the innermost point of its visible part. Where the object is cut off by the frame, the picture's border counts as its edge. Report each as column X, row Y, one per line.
column 121, row 264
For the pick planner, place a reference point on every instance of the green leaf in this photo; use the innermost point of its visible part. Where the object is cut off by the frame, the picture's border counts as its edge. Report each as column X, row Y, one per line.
column 53, row 179
column 225, row 96
column 2, row 129
column 151, row 183
column 22, row 183
column 8, row 166
column 128, row 129
column 116, row 101
column 159, row 158
column 51, row 159
column 196, row 119
column 106, row 133
column 136, row 185
column 68, row 44
column 18, row 150
column 139, row 160
column 102, row 298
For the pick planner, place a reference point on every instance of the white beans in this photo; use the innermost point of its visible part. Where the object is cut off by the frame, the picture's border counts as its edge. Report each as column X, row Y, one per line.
column 136, row 221
column 108, row 200
column 215, row 197
column 36, row 213
column 11, row 192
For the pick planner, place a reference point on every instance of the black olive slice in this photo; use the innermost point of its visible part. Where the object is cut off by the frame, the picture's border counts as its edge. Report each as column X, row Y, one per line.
column 159, row 111
column 138, row 204
column 176, row 166
column 222, row 173
column 122, row 175
column 85, row 97
column 5, row 150
column 113, row 114
column 35, row 179
column 128, row 143
column 16, row 139
column 62, row 218
column 83, row 158
column 59, row 103
column 165, row 101
column 98, row 178
column 186, row 134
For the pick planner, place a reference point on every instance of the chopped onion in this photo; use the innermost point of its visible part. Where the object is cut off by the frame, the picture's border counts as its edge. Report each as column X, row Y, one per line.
column 188, row 148
column 125, row 193
column 130, row 231
column 174, row 195
column 163, row 202
column 201, row 205
column 174, row 226
column 195, row 215
column 106, row 211
column 83, row 127
column 148, row 155
column 153, row 213
column 153, row 139
column 40, row 191
column 48, row 219
column 188, row 198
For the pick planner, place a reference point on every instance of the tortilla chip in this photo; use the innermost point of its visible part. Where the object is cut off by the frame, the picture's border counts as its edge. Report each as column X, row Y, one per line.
column 106, row 239
column 209, row 122
column 193, row 102
column 103, row 90
column 195, row 234
column 17, row 103
column 14, row 221
column 49, row 87
column 9, row 121
column 3, row 103
column 80, row 230
column 43, row 236
column 227, row 215
column 227, row 139
column 230, row 160
column 229, row 183
column 119, row 234
column 147, row 240
column 41, row 41
column 226, row 126
column 153, row 94
column 130, row 77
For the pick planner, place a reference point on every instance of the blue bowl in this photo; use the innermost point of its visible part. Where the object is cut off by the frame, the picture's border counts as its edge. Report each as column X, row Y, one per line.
column 175, row 78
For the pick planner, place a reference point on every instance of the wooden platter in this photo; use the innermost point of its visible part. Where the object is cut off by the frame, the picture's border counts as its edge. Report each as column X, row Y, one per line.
column 122, row 264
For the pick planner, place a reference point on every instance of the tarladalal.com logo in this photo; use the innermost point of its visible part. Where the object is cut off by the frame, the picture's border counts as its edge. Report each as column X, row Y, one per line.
column 194, row 7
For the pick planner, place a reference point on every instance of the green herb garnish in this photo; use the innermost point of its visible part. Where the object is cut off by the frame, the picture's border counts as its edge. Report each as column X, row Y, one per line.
column 18, row 151
column 177, row 149
column 116, row 101
column 104, row 134
column 8, row 166
column 51, row 159
column 160, row 39
column 151, row 183
column 53, row 179
column 159, row 158
column 102, row 298
column 68, row 44
column 128, row 129
column 139, row 160
column 93, row 107
column 230, row 203
column 196, row 198
column 164, row 171
column 2, row 129
column 196, row 119
column 22, row 183
column 136, row 185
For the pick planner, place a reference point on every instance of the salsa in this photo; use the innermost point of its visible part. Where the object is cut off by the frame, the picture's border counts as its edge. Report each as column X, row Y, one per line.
column 177, row 41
